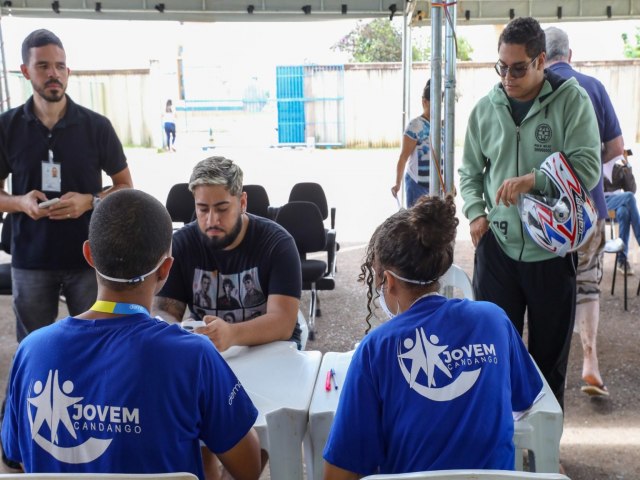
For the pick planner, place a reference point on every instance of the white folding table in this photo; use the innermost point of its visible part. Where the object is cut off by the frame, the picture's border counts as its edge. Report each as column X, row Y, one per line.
column 322, row 410
column 539, row 430
column 279, row 380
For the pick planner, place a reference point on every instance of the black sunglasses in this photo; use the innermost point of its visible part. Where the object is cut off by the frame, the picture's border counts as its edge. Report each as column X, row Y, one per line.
column 516, row 72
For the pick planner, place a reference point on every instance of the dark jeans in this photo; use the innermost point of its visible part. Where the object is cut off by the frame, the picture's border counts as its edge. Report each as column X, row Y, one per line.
column 546, row 290
column 36, row 294
column 170, row 131
column 413, row 190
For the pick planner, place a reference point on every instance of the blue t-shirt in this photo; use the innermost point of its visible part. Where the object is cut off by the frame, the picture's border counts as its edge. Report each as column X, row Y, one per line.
column 234, row 284
column 608, row 124
column 419, row 162
column 432, row 389
column 122, row 395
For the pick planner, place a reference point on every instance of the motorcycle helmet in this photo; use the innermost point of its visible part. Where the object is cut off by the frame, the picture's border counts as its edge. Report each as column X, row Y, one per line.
column 562, row 221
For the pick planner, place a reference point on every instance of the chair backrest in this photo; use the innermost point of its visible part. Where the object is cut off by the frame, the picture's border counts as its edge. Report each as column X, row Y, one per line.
column 6, row 286
column 5, row 236
column 304, row 222
column 457, row 278
column 257, row 200
column 180, row 203
column 310, row 192
column 103, row 476
column 471, row 475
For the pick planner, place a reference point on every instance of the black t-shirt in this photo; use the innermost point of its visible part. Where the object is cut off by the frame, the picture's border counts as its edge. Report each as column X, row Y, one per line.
column 519, row 109
column 85, row 144
column 234, row 284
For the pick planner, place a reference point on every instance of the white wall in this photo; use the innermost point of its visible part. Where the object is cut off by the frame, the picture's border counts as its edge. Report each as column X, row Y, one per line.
column 134, row 100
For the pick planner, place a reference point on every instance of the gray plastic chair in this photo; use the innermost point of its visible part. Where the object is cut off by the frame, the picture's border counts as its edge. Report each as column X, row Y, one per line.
column 470, row 475
column 100, row 476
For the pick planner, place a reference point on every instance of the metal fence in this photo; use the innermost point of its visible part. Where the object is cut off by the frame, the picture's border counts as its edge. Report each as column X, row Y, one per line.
column 310, row 104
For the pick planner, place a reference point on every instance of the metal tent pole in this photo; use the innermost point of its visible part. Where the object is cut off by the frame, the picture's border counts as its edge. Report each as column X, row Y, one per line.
column 5, row 103
column 449, row 98
column 436, row 100
column 407, row 60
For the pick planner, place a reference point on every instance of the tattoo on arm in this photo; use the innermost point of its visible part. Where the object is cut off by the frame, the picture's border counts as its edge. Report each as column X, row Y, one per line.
column 169, row 308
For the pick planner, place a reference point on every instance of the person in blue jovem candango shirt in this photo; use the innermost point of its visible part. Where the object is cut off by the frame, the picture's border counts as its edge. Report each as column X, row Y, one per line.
column 113, row 390
column 435, row 386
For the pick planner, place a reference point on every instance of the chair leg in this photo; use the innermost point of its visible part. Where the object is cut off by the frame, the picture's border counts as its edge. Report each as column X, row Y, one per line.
column 615, row 268
column 312, row 312
column 318, row 311
column 625, row 284
column 331, row 262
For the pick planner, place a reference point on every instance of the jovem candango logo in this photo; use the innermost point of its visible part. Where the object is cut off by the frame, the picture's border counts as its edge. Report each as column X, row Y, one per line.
column 426, row 365
column 55, row 417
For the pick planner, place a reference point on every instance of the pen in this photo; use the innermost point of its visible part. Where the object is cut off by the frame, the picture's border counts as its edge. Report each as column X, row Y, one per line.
column 333, row 377
column 327, row 383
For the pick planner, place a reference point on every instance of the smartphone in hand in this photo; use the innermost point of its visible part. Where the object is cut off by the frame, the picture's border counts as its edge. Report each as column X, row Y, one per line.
column 191, row 325
column 48, row 203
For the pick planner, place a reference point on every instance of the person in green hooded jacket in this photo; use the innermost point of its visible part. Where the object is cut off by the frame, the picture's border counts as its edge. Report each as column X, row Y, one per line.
column 531, row 114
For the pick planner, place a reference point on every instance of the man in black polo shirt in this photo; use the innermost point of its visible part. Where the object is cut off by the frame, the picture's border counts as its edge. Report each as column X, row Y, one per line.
column 53, row 148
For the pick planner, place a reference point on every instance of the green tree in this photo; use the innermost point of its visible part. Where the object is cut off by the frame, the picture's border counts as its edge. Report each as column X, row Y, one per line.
column 464, row 49
column 380, row 40
column 632, row 51
column 377, row 41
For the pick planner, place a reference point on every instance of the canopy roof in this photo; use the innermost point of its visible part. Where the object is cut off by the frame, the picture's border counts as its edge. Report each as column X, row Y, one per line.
column 468, row 12
column 203, row 10
column 476, row 12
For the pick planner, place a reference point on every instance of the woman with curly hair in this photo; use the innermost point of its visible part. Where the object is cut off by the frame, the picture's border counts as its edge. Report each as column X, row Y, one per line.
column 435, row 386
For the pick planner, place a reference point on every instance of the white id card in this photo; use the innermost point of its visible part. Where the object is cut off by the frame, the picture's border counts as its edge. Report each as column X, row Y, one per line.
column 51, row 175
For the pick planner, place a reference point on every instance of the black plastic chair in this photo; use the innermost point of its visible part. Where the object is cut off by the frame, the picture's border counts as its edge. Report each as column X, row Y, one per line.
column 5, row 268
column 303, row 221
column 180, row 204
column 616, row 246
column 313, row 192
column 258, row 201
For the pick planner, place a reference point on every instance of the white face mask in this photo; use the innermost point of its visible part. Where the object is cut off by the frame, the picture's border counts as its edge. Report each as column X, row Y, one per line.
column 134, row 280
column 383, row 305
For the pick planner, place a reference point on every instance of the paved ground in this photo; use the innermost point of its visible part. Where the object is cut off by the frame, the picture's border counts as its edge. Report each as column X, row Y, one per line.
column 601, row 438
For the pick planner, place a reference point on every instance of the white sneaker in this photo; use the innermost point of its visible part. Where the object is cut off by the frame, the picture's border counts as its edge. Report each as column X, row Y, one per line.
column 620, row 268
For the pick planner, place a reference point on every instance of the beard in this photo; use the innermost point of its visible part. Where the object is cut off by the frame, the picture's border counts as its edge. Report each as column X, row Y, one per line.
column 219, row 243
column 52, row 96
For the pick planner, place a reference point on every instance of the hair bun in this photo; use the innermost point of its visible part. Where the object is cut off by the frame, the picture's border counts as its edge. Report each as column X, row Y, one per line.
column 434, row 221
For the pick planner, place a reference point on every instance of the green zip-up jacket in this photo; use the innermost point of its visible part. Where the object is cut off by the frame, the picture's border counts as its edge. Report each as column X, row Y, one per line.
column 561, row 119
